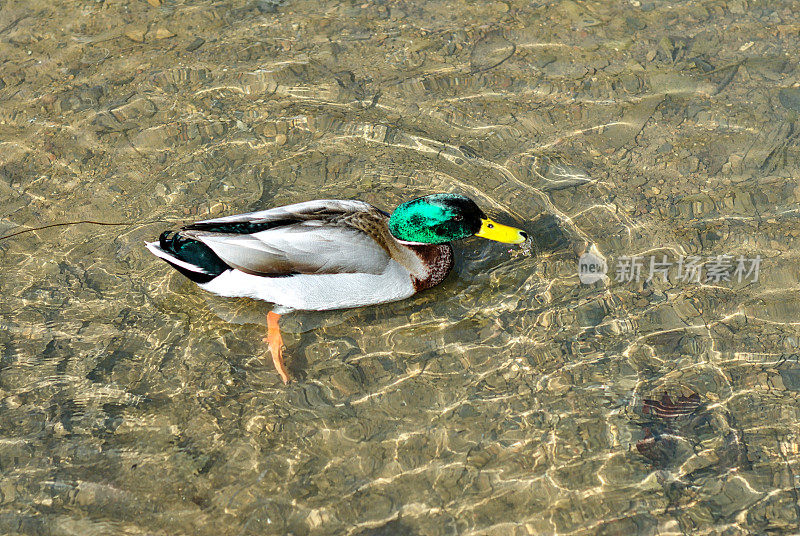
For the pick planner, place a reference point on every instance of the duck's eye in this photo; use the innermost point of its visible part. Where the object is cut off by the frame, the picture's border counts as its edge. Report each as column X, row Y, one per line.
column 458, row 217
column 490, row 225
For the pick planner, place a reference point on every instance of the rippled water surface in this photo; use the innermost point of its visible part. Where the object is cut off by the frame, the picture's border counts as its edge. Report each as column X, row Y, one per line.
column 512, row 399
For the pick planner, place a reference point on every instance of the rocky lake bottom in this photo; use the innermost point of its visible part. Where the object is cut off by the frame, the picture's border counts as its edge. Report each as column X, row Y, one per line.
column 513, row 398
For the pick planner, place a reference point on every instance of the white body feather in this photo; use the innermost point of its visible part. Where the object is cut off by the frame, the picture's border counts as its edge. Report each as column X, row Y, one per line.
column 317, row 292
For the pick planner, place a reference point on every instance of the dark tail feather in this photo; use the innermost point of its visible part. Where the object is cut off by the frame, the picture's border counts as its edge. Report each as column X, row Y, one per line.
column 195, row 253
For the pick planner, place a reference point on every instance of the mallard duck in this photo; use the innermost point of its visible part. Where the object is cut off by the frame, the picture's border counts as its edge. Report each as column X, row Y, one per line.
column 327, row 254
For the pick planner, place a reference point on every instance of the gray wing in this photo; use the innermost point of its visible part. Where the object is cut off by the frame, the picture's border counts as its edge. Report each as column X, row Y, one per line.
column 307, row 210
column 307, row 238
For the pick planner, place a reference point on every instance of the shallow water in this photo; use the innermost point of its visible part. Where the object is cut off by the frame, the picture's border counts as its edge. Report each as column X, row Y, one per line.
column 512, row 399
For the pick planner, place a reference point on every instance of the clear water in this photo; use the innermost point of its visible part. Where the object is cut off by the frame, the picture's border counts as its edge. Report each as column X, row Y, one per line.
column 509, row 400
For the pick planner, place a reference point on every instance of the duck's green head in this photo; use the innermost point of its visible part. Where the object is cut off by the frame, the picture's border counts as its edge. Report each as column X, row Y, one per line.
column 441, row 218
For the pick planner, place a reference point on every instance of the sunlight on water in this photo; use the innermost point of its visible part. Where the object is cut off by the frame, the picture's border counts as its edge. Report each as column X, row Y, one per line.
column 512, row 398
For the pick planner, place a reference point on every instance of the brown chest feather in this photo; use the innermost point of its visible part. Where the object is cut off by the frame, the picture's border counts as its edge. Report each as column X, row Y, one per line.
column 439, row 261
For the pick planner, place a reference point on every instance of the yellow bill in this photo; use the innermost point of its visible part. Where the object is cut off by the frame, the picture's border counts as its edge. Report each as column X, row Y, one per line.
column 498, row 232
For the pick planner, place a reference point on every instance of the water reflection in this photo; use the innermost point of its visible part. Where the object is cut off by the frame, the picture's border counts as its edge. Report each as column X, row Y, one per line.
column 507, row 400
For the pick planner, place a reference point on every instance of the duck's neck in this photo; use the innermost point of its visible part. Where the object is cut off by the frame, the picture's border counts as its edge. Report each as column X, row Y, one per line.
column 437, row 260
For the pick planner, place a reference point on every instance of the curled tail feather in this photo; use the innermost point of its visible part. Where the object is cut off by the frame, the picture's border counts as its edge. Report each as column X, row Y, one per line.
column 190, row 257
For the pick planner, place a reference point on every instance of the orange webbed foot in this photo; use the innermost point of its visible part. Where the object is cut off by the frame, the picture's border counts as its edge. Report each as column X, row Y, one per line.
column 275, row 342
